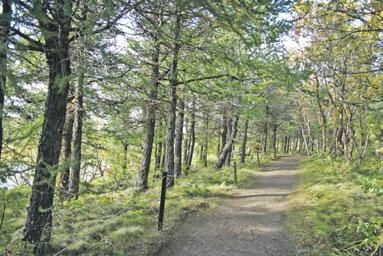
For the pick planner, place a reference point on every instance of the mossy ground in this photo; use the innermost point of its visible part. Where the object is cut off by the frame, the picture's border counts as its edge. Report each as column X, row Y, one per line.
column 337, row 209
column 120, row 221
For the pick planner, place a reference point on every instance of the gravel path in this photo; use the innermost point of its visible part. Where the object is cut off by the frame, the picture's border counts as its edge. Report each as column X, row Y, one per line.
column 249, row 223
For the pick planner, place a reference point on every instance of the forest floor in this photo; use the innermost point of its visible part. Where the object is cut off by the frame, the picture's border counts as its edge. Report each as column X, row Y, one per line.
column 250, row 222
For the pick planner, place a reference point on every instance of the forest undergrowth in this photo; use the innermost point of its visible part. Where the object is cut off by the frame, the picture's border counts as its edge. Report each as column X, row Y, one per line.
column 120, row 222
column 337, row 208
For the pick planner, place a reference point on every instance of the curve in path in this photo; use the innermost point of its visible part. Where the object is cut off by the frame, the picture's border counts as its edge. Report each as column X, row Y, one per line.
column 249, row 223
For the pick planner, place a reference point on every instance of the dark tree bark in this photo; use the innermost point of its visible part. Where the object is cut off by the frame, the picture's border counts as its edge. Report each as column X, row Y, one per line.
column 163, row 156
column 179, row 136
column 39, row 219
column 297, row 141
column 169, row 158
column 229, row 130
column 191, row 140
column 285, row 145
column 288, row 149
column 229, row 143
column 66, row 149
column 266, row 129
column 334, row 150
column 200, row 152
column 324, row 121
column 187, row 139
column 125, row 160
column 206, row 139
column 74, row 184
column 157, row 165
column 5, row 19
column 143, row 174
column 275, row 127
column 244, row 141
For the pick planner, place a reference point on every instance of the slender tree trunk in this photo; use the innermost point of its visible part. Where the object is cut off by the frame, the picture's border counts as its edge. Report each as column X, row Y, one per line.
column 5, row 21
column 340, row 134
column 39, row 219
column 244, row 141
column 201, row 149
column 163, row 156
column 229, row 132
column 364, row 138
column 143, row 174
column 296, row 141
column 275, row 140
column 289, row 145
column 223, row 131
column 285, row 145
column 187, row 141
column 178, row 143
column 74, row 185
column 66, row 150
column 334, row 132
column 266, row 129
column 323, row 118
column 125, row 161
column 192, row 140
column 160, row 151
column 305, row 140
column 324, row 135
column 157, row 165
column 169, row 159
column 206, row 140
column 229, row 143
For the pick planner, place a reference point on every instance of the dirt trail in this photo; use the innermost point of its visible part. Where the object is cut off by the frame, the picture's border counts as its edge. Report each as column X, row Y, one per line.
column 249, row 223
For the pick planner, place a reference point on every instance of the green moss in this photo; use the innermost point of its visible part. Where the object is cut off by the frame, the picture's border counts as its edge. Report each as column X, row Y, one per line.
column 106, row 221
column 332, row 213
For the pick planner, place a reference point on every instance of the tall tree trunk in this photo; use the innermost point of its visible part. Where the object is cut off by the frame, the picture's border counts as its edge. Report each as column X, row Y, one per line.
column 223, row 131
column 66, row 149
column 5, row 21
column 125, row 160
column 244, row 141
column 323, row 119
column 200, row 152
column 74, row 184
column 288, row 144
column 229, row 125
column 364, row 138
column 229, row 143
column 191, row 140
column 206, row 140
column 265, row 130
column 285, row 145
column 157, row 165
column 334, row 146
column 39, row 219
column 143, row 174
column 169, row 159
column 187, row 140
column 163, row 156
column 275, row 140
column 305, row 140
column 179, row 136
column 340, row 134
column 296, row 141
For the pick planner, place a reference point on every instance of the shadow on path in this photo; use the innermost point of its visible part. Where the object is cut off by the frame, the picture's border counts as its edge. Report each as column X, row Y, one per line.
column 247, row 223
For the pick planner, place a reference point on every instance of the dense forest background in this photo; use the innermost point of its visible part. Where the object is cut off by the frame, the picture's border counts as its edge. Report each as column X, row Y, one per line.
column 98, row 98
